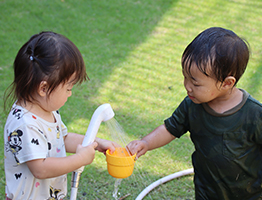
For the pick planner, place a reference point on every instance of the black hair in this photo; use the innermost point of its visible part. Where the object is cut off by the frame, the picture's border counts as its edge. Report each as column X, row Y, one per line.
column 49, row 57
column 221, row 49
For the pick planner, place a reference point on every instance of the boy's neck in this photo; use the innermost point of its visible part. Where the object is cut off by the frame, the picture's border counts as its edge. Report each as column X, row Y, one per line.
column 227, row 101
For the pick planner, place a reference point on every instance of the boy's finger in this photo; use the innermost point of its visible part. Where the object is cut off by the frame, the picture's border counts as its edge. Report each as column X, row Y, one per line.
column 128, row 150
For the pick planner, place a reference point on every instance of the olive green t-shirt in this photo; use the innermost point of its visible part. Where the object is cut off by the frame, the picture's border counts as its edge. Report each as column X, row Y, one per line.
column 227, row 159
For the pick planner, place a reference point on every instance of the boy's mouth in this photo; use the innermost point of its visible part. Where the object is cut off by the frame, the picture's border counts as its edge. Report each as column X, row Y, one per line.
column 190, row 97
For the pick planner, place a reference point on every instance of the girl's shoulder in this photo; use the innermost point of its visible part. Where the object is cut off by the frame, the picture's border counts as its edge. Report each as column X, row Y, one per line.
column 19, row 116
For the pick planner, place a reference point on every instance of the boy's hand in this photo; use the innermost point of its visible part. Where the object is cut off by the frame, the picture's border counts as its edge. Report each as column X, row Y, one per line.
column 86, row 154
column 157, row 138
column 140, row 147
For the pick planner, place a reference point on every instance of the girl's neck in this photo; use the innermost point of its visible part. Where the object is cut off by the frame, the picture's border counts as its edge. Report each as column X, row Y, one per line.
column 38, row 110
column 227, row 101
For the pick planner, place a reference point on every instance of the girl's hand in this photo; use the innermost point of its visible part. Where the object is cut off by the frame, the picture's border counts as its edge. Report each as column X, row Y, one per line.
column 140, row 147
column 103, row 145
column 86, row 154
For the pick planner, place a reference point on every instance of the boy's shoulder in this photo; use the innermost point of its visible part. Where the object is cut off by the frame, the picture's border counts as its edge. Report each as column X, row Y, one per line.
column 253, row 107
column 253, row 101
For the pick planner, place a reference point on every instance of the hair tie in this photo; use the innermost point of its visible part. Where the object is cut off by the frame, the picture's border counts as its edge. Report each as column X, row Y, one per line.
column 31, row 58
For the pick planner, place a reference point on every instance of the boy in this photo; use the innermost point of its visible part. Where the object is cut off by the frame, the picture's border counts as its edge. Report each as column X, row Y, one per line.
column 224, row 122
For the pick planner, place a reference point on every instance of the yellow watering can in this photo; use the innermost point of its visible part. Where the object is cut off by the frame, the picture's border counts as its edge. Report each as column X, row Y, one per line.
column 120, row 164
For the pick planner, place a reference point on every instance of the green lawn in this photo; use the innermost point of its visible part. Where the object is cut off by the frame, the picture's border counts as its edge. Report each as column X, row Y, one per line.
column 132, row 50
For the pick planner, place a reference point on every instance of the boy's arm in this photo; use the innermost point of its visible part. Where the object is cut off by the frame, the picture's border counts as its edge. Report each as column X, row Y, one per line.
column 157, row 138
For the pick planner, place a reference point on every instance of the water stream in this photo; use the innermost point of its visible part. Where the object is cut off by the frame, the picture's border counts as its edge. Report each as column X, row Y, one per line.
column 120, row 137
column 117, row 132
column 116, row 187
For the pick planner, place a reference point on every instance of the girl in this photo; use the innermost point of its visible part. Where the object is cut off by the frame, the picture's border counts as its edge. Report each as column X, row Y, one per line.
column 36, row 140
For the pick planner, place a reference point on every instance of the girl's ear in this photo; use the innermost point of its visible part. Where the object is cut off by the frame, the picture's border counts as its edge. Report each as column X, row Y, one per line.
column 42, row 90
column 229, row 82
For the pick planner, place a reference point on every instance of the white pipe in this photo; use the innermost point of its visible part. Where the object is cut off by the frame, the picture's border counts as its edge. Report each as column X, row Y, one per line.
column 102, row 113
column 73, row 193
column 163, row 180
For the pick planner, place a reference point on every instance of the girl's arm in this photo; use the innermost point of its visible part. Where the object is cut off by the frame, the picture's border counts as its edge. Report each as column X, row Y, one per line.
column 53, row 166
column 103, row 145
column 73, row 139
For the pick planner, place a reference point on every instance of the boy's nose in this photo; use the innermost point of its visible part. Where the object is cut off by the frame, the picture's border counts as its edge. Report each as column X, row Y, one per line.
column 187, row 87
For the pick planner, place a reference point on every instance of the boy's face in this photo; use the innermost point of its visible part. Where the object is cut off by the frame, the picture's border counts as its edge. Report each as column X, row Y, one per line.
column 201, row 88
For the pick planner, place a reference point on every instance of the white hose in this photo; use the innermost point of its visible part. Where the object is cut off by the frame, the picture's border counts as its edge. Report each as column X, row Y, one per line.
column 102, row 113
column 73, row 193
column 163, row 180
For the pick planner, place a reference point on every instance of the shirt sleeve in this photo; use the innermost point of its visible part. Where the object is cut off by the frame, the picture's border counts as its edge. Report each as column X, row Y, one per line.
column 255, row 121
column 177, row 124
column 32, row 144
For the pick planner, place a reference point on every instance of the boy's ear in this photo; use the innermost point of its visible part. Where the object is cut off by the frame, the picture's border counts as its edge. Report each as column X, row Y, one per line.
column 229, row 82
column 43, row 87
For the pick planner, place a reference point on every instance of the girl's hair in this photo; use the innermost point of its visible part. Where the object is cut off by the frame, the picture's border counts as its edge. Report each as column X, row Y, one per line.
column 220, row 50
column 49, row 57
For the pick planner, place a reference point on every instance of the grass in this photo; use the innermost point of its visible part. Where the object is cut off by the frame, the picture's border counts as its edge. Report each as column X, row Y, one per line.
column 132, row 51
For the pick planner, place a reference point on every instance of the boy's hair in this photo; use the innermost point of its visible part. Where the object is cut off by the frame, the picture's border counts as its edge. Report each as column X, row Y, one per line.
column 218, row 48
column 49, row 57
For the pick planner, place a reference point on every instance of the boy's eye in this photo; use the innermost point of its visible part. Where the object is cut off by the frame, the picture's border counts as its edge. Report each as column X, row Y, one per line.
column 195, row 83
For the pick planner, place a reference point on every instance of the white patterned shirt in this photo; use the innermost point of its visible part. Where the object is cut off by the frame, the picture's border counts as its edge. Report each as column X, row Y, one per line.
column 28, row 137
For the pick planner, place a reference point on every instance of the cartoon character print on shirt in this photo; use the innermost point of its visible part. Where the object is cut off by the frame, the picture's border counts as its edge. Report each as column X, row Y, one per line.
column 57, row 132
column 57, row 128
column 17, row 113
column 54, row 194
column 14, row 143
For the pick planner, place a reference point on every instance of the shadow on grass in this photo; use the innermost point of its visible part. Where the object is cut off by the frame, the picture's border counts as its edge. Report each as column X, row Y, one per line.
column 104, row 31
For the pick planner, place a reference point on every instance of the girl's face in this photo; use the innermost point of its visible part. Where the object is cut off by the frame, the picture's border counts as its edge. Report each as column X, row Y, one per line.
column 201, row 88
column 59, row 96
